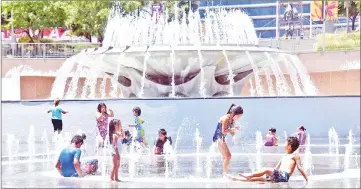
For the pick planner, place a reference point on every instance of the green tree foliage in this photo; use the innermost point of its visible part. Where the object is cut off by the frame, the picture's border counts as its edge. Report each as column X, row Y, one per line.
column 353, row 10
column 88, row 17
column 34, row 15
column 83, row 17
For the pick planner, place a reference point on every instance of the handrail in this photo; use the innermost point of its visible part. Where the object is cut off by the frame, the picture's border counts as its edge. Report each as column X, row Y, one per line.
column 66, row 50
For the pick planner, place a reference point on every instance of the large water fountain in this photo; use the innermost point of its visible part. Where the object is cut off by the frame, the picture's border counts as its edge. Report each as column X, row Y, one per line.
column 147, row 56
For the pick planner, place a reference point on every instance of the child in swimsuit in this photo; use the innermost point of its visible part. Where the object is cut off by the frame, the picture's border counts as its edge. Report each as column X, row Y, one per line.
column 116, row 135
column 271, row 138
column 138, row 124
column 283, row 170
column 101, row 116
column 56, row 116
column 225, row 125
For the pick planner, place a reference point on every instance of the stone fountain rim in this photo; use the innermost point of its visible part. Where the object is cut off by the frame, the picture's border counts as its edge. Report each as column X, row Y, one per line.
column 162, row 48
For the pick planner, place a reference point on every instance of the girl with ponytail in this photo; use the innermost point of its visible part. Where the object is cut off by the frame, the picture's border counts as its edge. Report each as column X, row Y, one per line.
column 226, row 125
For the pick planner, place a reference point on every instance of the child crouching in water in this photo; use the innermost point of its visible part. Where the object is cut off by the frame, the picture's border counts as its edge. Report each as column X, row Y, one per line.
column 116, row 135
column 283, row 170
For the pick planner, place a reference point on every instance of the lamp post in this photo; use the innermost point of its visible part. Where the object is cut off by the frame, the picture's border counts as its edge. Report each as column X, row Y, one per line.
column 324, row 26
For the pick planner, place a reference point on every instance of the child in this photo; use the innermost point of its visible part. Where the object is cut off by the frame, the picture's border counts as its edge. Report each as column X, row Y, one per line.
column 56, row 116
column 283, row 170
column 102, row 115
column 271, row 138
column 301, row 134
column 226, row 125
column 116, row 135
column 160, row 142
column 138, row 125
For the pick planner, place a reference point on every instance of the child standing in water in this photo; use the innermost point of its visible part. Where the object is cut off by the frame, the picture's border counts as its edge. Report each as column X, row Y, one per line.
column 226, row 125
column 138, row 121
column 283, row 170
column 116, row 135
column 101, row 116
column 301, row 134
column 56, row 116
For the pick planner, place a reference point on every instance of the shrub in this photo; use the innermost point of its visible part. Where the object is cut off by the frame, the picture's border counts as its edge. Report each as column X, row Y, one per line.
column 339, row 41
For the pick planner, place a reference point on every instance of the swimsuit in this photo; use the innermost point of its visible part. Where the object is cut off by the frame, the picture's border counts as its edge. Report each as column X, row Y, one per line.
column 119, row 145
column 270, row 140
column 280, row 176
column 140, row 131
column 159, row 145
column 103, row 126
column 56, row 118
column 218, row 135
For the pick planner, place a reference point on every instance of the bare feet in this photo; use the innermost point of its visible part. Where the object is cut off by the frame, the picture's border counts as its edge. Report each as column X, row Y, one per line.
column 245, row 176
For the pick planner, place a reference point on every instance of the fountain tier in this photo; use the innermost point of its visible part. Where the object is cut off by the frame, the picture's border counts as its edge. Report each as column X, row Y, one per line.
column 182, row 74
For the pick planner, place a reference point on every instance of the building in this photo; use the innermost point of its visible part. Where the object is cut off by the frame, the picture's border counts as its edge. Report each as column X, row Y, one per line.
column 264, row 15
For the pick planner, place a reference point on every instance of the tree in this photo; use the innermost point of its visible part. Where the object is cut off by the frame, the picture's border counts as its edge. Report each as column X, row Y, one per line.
column 88, row 17
column 34, row 15
column 353, row 8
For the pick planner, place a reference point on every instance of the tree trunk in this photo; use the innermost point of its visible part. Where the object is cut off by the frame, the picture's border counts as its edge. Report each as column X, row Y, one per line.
column 88, row 36
column 348, row 19
column 100, row 39
column 31, row 40
column 353, row 19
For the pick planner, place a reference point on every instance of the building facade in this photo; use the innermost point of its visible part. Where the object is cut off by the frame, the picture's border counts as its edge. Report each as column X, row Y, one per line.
column 269, row 17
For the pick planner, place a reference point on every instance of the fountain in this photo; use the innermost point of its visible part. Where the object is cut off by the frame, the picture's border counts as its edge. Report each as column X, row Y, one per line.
column 348, row 151
column 31, row 143
column 45, row 141
column 179, row 56
column 210, row 155
column 333, row 141
column 12, row 146
column 146, row 57
column 202, row 86
column 131, row 164
column 168, row 155
column 259, row 147
column 198, row 141
column 256, row 72
column 334, row 145
column 104, row 160
column 307, row 160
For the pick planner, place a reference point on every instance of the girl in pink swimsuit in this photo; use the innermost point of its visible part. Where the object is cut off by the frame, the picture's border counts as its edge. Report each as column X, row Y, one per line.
column 102, row 119
column 271, row 138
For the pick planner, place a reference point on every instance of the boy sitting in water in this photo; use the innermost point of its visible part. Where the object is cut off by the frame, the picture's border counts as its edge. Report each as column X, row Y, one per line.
column 283, row 170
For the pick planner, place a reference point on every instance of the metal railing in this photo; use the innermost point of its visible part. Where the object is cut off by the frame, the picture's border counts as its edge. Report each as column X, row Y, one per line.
column 66, row 50
column 43, row 50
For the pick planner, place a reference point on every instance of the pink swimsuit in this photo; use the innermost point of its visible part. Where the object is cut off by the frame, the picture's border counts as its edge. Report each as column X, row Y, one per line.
column 102, row 125
column 270, row 140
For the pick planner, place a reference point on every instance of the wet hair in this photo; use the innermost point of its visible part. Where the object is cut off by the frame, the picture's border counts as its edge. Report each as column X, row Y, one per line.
column 273, row 130
column 162, row 132
column 100, row 107
column 127, row 133
column 293, row 142
column 235, row 109
column 112, row 124
column 137, row 110
column 56, row 102
column 77, row 139
column 82, row 136
column 302, row 128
